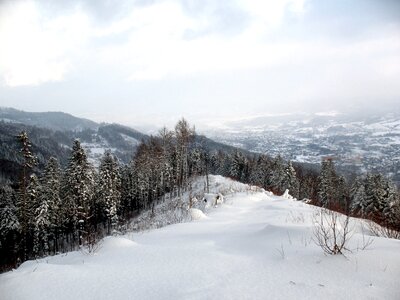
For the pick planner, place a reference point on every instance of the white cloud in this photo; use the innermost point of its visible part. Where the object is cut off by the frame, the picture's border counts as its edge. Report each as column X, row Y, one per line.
column 36, row 48
column 157, row 48
column 257, row 64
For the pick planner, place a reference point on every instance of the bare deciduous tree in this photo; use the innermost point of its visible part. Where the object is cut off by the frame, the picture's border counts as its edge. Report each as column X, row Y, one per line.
column 331, row 231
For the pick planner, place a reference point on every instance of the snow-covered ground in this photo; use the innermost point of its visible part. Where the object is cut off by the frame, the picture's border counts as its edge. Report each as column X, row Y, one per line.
column 253, row 246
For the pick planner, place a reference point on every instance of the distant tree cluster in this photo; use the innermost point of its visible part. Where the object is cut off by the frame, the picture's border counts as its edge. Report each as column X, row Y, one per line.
column 63, row 209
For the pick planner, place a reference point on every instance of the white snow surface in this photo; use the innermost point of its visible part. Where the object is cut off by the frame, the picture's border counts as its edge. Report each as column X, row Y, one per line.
column 253, row 246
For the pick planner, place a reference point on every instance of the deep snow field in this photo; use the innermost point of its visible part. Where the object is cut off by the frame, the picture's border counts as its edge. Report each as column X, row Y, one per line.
column 253, row 246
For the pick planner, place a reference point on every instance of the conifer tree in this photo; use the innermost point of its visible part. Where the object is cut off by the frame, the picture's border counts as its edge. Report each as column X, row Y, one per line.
column 238, row 166
column 375, row 197
column 48, row 216
column 277, row 175
column 109, row 188
column 327, row 183
column 79, row 190
column 9, row 226
column 8, row 212
column 259, row 172
column 128, row 189
column 391, row 209
column 290, row 181
column 24, row 204
column 357, row 196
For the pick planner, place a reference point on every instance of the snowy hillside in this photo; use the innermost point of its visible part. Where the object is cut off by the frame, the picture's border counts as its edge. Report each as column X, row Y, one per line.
column 252, row 246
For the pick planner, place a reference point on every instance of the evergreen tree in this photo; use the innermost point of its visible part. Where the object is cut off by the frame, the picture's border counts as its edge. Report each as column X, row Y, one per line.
column 375, row 197
column 109, row 188
column 237, row 166
column 48, row 217
column 8, row 212
column 357, row 196
column 9, row 226
column 34, row 189
column 290, row 181
column 259, row 172
column 327, row 184
column 128, row 190
column 277, row 175
column 42, row 226
column 24, row 205
column 79, row 190
column 391, row 210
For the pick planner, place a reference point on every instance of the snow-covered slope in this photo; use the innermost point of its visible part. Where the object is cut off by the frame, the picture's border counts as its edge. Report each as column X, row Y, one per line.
column 252, row 246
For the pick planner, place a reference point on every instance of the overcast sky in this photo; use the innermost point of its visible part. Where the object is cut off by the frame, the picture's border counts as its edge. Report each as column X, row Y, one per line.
column 152, row 62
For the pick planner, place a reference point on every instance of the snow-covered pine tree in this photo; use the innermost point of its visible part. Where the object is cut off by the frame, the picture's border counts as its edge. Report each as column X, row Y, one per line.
column 258, row 174
column 142, row 168
column 220, row 163
column 8, row 212
column 375, row 197
column 290, row 180
column 48, row 217
column 23, row 203
column 79, row 190
column 108, row 187
column 308, row 184
column 357, row 196
column 9, row 226
column 38, row 215
column 238, row 166
column 128, row 189
column 391, row 210
column 277, row 175
column 327, row 183
column 41, row 229
column 8, row 219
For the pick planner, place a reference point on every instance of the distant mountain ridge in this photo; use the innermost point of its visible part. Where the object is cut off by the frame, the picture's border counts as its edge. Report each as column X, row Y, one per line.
column 51, row 120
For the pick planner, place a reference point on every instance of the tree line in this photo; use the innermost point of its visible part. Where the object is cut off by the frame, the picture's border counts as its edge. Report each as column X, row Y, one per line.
column 57, row 210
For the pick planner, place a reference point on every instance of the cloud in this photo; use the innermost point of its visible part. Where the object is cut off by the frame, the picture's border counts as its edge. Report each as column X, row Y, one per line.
column 236, row 56
column 37, row 48
column 42, row 45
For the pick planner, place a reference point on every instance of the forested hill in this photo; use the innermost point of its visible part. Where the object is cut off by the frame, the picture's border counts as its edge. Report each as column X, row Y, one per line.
column 52, row 135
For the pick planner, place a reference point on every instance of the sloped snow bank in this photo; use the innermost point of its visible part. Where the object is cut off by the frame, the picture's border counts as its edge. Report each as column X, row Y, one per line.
column 254, row 246
column 178, row 209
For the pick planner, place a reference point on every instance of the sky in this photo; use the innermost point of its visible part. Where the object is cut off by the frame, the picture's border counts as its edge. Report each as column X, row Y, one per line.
column 151, row 62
